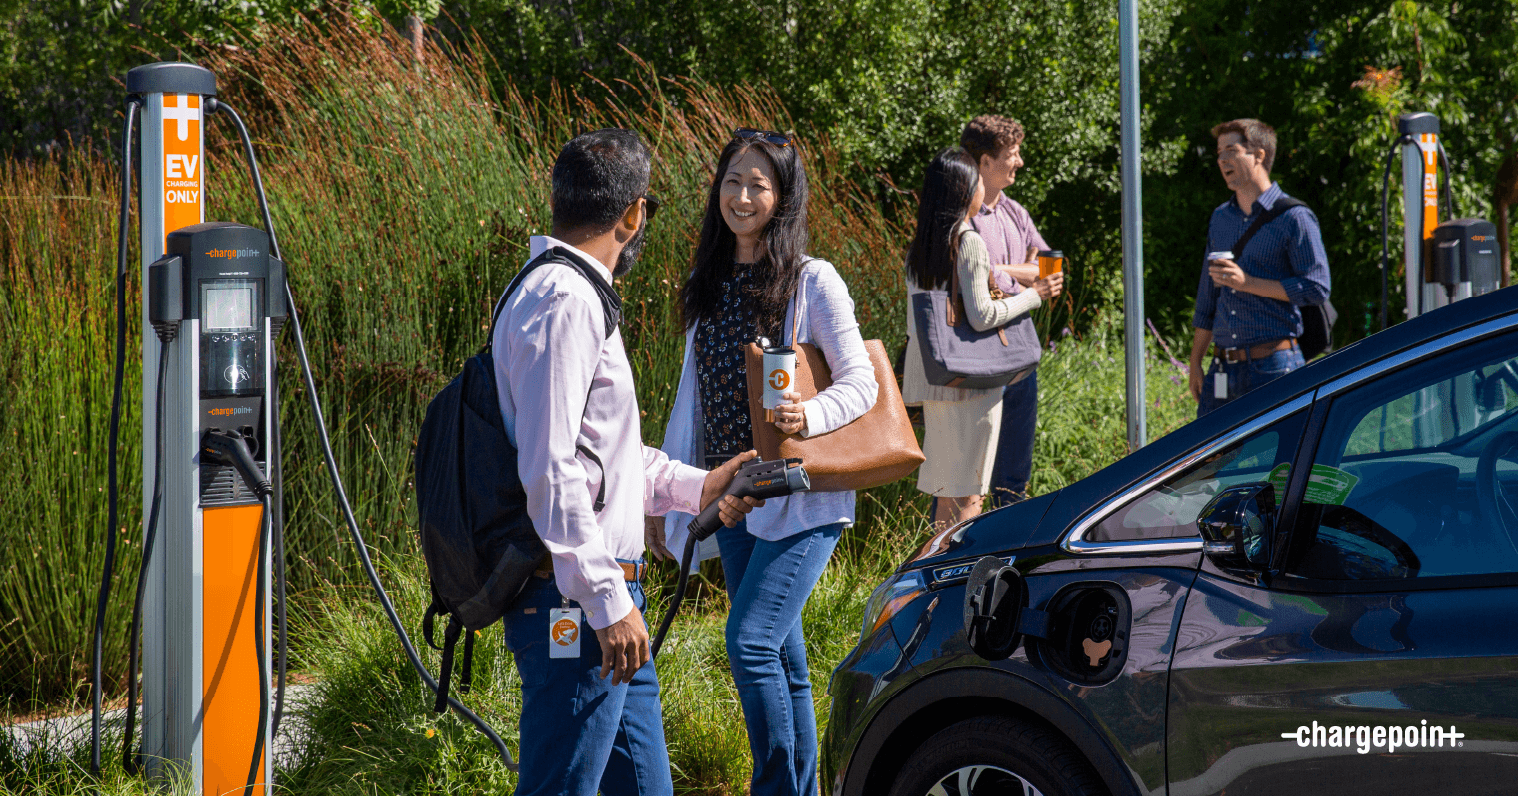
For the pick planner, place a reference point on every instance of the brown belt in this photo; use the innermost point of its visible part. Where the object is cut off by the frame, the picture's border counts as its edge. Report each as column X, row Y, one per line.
column 1256, row 351
column 630, row 572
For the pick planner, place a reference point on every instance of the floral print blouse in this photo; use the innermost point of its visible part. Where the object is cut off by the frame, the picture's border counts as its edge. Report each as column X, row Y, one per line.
column 721, row 376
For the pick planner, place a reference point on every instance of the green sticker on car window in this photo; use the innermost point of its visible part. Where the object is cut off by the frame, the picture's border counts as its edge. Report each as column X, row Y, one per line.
column 1278, row 478
column 1328, row 486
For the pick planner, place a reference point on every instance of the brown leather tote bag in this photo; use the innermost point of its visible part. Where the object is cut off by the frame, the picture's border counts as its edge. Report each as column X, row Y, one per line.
column 877, row 448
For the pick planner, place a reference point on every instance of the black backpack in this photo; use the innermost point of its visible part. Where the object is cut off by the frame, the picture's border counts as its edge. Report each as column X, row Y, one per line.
column 1317, row 319
column 476, row 536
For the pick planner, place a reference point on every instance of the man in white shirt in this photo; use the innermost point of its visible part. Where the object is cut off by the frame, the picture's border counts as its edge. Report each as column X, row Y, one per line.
column 590, row 712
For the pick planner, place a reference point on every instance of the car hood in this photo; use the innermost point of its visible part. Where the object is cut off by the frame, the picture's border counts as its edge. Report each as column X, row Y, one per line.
column 1008, row 528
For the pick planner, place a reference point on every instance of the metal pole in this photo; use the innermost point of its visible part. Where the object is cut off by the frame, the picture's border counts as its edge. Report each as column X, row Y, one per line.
column 1133, row 236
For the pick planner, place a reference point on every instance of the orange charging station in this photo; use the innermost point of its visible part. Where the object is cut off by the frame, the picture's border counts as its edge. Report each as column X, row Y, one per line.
column 206, row 600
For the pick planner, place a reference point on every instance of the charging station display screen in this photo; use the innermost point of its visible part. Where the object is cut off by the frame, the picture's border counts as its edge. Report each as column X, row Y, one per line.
column 228, row 308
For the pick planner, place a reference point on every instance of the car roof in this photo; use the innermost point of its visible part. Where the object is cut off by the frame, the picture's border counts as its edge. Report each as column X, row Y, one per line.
column 1077, row 498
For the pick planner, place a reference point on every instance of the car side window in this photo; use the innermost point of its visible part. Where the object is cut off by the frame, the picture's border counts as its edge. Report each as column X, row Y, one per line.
column 1416, row 474
column 1169, row 510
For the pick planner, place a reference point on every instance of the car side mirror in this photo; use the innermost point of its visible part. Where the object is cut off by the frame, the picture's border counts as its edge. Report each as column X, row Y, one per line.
column 1237, row 526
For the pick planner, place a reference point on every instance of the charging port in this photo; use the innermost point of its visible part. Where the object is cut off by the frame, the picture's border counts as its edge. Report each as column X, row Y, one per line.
column 1088, row 639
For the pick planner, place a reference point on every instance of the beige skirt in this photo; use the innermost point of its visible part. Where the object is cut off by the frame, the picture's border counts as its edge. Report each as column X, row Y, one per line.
column 959, row 441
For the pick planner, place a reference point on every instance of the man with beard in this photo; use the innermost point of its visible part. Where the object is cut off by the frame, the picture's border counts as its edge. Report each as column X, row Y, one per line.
column 590, row 702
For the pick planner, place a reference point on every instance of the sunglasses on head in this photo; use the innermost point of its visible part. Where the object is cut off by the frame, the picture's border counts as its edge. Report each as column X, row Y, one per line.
column 752, row 134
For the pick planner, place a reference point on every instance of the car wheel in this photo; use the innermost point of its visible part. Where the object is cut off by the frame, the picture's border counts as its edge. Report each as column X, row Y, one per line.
column 996, row 756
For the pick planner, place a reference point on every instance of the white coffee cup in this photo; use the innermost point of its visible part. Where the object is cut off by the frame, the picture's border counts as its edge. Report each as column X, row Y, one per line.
column 779, row 378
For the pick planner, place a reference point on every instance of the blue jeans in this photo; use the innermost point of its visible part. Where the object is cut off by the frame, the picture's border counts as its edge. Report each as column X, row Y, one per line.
column 1014, row 451
column 579, row 733
column 1246, row 375
column 769, row 583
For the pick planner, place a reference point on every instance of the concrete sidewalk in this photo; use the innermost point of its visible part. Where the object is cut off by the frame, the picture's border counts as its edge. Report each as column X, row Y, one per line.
column 61, row 736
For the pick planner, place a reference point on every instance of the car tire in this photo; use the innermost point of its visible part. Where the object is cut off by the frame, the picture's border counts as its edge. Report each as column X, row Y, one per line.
column 996, row 756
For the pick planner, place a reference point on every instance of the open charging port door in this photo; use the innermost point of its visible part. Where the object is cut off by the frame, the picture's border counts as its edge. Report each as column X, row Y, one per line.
column 997, row 615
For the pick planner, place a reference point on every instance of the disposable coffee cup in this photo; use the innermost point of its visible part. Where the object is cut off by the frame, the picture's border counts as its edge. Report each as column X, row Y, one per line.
column 779, row 376
column 1050, row 262
column 1225, row 255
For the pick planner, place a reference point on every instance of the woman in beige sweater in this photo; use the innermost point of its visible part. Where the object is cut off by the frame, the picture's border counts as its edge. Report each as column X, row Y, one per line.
column 962, row 425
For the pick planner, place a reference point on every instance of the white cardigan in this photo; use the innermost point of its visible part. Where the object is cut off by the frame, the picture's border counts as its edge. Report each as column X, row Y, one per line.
column 827, row 320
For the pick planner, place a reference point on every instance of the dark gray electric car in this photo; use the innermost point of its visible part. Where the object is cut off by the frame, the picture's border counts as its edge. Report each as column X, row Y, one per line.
column 1313, row 590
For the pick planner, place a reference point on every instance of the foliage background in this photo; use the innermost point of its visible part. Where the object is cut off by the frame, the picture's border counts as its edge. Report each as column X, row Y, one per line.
column 889, row 82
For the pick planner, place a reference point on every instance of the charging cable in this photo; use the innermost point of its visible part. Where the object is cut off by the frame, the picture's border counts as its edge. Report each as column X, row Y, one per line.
column 149, row 542
column 360, row 546
column 112, row 514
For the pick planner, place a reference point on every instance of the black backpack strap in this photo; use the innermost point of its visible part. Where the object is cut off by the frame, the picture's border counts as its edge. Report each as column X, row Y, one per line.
column 434, row 610
column 600, row 493
column 548, row 256
column 1265, row 217
column 450, row 639
column 466, row 674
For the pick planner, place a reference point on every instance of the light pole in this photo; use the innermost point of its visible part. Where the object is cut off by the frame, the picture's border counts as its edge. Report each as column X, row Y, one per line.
column 1133, row 238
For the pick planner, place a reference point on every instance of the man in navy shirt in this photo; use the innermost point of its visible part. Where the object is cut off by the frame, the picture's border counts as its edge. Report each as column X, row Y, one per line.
column 1247, row 301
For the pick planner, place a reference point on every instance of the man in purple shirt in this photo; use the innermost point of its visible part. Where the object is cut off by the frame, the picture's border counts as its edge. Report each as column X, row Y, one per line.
column 1013, row 243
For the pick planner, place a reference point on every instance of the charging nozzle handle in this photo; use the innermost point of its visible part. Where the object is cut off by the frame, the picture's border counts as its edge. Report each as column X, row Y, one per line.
column 229, row 448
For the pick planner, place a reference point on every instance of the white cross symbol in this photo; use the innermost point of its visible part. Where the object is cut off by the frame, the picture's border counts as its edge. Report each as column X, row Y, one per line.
column 182, row 114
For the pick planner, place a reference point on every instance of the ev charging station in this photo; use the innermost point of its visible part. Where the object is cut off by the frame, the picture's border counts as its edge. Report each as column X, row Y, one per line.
column 1443, row 262
column 215, row 296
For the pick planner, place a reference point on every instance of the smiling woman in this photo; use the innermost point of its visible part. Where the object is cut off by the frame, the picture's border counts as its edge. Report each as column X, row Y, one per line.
column 752, row 277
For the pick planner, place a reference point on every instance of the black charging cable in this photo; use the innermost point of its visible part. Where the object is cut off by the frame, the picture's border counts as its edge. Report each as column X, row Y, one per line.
column 360, row 546
column 1391, row 155
column 674, row 604
column 112, row 514
column 1449, row 194
column 129, row 760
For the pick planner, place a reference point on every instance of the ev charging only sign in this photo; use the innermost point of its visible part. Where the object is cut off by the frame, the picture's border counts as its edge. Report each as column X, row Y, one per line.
column 183, row 161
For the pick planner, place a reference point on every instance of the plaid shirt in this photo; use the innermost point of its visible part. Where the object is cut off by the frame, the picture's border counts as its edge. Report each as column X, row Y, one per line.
column 1288, row 249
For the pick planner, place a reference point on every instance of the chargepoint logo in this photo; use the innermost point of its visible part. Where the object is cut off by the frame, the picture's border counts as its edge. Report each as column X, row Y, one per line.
column 232, row 254
column 1365, row 738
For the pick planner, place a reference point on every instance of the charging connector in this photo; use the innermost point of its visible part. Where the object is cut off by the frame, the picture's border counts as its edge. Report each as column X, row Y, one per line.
column 229, row 448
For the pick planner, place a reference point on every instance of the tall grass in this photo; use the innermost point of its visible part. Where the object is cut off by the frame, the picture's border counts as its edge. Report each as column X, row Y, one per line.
column 404, row 197
column 57, row 332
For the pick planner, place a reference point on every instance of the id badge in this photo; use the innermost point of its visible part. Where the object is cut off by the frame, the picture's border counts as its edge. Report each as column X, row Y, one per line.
column 1220, row 385
column 564, row 633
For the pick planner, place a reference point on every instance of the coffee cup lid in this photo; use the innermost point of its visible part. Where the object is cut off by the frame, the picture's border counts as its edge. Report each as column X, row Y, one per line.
column 1052, row 253
column 780, row 349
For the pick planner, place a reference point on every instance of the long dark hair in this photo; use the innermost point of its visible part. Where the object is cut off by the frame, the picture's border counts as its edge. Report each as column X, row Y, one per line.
column 782, row 244
column 947, row 188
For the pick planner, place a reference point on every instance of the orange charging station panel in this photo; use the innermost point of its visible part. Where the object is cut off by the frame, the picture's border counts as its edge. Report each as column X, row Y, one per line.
column 230, row 700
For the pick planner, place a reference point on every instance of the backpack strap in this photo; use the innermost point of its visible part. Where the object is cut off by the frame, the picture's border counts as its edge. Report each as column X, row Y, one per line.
column 549, row 255
column 466, row 675
column 445, row 673
column 1277, row 210
column 611, row 303
column 433, row 611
